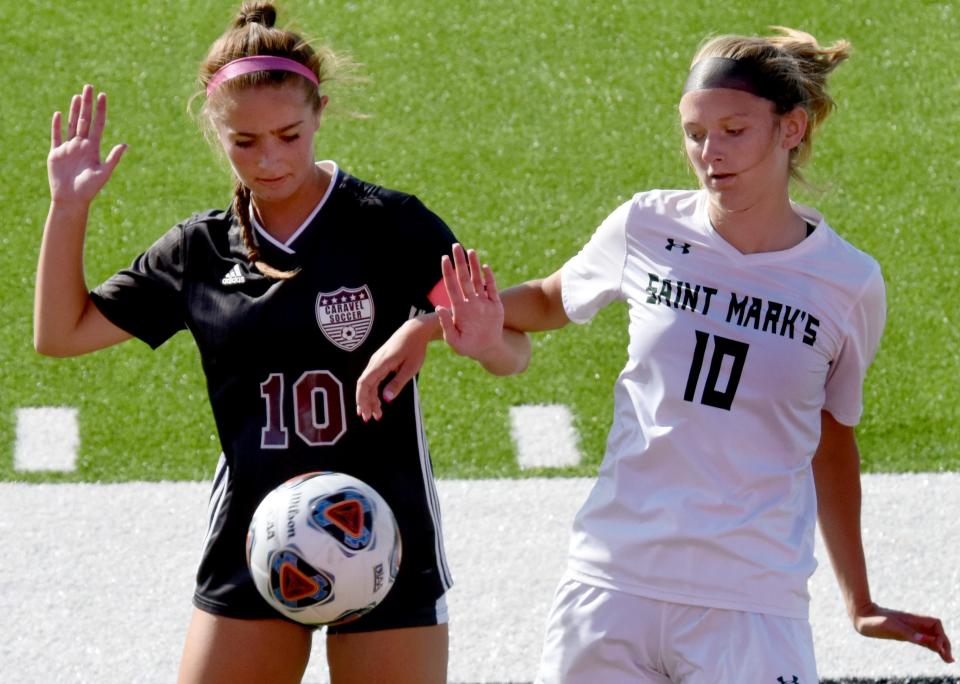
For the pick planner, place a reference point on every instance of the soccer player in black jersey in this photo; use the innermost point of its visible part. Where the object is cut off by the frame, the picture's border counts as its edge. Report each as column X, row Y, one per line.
column 287, row 293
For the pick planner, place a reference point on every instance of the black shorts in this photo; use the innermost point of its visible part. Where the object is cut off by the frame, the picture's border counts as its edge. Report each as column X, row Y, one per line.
column 398, row 610
column 225, row 587
column 395, row 612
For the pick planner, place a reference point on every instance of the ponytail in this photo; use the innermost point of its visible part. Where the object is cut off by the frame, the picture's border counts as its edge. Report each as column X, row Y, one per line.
column 263, row 13
column 814, row 64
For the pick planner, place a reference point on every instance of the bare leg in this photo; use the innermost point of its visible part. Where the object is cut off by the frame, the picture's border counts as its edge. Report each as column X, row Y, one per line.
column 220, row 649
column 413, row 655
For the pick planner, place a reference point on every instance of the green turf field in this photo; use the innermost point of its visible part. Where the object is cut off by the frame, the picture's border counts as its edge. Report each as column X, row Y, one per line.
column 522, row 125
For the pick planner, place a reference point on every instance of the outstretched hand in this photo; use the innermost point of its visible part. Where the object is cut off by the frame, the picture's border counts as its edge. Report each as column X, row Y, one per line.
column 74, row 167
column 473, row 324
column 883, row 623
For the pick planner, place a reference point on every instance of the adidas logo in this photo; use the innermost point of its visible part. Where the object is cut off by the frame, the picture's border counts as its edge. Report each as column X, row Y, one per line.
column 234, row 276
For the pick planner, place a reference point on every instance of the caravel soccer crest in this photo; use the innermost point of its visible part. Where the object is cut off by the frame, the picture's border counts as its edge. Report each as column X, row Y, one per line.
column 345, row 316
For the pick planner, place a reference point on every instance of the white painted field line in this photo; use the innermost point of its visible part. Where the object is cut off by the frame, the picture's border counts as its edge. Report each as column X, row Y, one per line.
column 544, row 435
column 47, row 439
column 94, row 573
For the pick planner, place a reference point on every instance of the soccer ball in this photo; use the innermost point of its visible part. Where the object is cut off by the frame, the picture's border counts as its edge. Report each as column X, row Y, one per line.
column 323, row 548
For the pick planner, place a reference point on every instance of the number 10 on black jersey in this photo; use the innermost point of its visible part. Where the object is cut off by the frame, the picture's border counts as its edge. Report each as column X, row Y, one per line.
column 318, row 408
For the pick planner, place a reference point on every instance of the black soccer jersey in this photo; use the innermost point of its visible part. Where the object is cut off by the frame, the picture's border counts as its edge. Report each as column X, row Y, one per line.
column 282, row 358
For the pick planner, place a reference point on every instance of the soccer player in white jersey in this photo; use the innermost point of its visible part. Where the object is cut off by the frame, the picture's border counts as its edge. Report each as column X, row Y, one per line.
column 752, row 324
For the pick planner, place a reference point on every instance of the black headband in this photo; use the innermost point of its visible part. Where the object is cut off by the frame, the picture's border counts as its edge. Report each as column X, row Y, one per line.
column 736, row 74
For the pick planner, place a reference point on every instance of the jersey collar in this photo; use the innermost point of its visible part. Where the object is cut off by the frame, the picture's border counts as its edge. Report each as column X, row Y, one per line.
column 288, row 245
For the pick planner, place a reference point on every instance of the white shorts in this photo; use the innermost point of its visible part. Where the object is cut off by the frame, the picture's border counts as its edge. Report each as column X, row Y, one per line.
column 598, row 635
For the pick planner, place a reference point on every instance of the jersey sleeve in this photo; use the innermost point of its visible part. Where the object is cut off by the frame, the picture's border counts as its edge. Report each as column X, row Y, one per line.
column 145, row 299
column 591, row 279
column 844, row 388
column 424, row 239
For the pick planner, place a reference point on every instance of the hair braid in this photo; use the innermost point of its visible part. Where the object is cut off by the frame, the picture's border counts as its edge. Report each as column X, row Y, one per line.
column 241, row 209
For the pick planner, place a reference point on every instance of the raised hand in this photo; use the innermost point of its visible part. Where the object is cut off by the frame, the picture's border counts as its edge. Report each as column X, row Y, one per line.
column 74, row 167
column 883, row 623
column 473, row 325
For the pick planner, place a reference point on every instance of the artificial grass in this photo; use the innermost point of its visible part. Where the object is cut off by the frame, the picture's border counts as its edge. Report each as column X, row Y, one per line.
column 522, row 126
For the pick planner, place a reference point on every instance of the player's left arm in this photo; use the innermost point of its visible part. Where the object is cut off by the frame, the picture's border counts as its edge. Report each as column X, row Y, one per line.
column 836, row 471
column 469, row 316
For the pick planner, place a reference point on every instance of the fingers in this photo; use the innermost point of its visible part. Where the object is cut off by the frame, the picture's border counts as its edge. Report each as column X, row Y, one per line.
column 946, row 651
column 918, row 629
column 463, row 273
column 450, row 279
column 86, row 111
column 450, row 333
column 476, row 273
column 469, row 273
column 86, row 119
column 490, row 284
column 368, row 385
column 930, row 633
column 368, row 404
column 945, row 654
column 73, row 117
column 101, row 119
column 56, row 135
column 397, row 383
column 464, row 277
column 368, row 390
column 114, row 157
column 938, row 643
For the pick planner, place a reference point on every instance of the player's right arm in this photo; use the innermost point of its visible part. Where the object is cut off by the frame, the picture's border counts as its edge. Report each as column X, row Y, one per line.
column 66, row 321
column 535, row 305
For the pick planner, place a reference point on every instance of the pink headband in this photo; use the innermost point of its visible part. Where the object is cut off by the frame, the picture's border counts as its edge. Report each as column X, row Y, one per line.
column 247, row 65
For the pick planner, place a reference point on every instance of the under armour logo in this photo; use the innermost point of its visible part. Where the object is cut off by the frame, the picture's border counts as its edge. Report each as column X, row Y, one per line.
column 685, row 247
column 793, row 680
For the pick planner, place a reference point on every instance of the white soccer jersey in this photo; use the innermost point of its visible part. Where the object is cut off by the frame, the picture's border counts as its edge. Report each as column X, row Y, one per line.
column 706, row 493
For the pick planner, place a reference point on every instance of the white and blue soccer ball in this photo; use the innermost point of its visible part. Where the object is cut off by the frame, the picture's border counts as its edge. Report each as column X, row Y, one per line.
column 323, row 548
